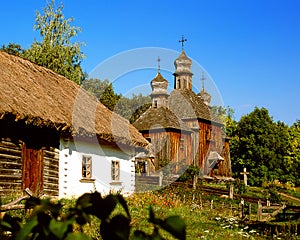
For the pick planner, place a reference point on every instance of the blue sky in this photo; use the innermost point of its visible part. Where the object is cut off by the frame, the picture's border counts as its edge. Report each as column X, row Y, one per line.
column 250, row 48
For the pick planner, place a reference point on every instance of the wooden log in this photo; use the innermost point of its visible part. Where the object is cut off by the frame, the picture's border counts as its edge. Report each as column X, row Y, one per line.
column 5, row 208
column 9, row 157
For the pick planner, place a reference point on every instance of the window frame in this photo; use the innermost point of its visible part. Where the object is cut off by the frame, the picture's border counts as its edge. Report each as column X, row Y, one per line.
column 115, row 170
column 86, row 166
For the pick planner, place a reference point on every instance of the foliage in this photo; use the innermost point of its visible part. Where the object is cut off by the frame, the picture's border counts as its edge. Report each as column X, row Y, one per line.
column 103, row 91
column 226, row 115
column 48, row 222
column 265, row 148
column 14, row 49
column 129, row 108
column 56, row 51
column 238, row 186
column 132, row 108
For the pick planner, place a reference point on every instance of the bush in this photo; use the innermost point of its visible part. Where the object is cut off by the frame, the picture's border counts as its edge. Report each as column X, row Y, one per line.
column 48, row 222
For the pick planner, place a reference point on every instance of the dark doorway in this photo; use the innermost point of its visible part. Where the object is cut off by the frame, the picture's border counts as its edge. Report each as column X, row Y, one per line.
column 32, row 169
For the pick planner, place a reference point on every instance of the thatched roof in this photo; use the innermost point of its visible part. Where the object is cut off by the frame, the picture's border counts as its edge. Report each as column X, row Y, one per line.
column 187, row 105
column 39, row 97
column 160, row 118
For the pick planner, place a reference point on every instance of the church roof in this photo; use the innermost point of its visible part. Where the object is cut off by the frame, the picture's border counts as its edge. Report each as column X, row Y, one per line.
column 183, row 57
column 187, row 105
column 160, row 118
column 40, row 97
column 159, row 78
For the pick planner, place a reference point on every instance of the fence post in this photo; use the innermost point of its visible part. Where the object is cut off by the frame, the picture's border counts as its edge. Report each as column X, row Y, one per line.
column 231, row 190
column 259, row 210
column 249, row 211
column 160, row 178
column 242, row 208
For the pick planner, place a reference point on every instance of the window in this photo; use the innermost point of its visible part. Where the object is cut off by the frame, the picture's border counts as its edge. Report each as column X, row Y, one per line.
column 115, row 170
column 178, row 84
column 86, row 166
column 155, row 104
column 181, row 143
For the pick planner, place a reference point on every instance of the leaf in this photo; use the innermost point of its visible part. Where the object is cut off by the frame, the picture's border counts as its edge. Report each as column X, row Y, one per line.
column 27, row 229
column 108, row 205
column 32, row 202
column 176, row 226
column 151, row 215
column 60, row 229
column 118, row 228
column 152, row 218
column 123, row 203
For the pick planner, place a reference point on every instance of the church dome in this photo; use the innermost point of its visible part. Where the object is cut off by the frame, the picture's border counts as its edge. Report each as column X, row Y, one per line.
column 205, row 96
column 159, row 78
column 182, row 60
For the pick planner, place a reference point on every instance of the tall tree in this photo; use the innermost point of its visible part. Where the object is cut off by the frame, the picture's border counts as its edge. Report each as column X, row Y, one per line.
column 132, row 108
column 56, row 51
column 103, row 91
column 263, row 146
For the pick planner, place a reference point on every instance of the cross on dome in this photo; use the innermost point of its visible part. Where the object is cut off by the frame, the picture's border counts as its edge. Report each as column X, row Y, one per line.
column 182, row 41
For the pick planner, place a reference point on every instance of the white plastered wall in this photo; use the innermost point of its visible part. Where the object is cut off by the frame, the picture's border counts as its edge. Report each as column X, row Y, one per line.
column 71, row 182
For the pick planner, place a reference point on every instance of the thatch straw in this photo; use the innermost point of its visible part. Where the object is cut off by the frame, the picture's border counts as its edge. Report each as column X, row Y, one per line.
column 40, row 97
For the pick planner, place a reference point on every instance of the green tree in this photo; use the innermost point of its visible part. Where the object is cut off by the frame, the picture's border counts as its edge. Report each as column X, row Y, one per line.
column 263, row 146
column 103, row 91
column 56, row 51
column 294, row 156
column 13, row 48
column 132, row 108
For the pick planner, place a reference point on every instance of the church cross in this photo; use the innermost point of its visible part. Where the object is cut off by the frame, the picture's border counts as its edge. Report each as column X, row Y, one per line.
column 158, row 62
column 182, row 41
column 203, row 79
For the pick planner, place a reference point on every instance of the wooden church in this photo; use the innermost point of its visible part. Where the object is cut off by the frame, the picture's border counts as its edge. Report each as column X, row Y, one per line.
column 182, row 128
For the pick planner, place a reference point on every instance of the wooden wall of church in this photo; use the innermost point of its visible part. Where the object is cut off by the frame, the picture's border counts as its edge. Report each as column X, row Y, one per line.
column 211, row 139
column 224, row 168
column 172, row 146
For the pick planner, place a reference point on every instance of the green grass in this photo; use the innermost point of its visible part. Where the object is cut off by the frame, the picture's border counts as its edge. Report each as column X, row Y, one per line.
column 202, row 222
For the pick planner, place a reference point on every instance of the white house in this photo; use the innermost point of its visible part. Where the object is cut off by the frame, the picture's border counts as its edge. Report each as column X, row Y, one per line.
column 86, row 167
column 57, row 139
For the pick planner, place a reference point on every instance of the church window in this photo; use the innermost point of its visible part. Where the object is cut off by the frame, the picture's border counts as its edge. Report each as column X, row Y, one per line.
column 178, row 83
column 208, row 134
column 86, row 166
column 115, row 170
column 155, row 104
column 181, row 143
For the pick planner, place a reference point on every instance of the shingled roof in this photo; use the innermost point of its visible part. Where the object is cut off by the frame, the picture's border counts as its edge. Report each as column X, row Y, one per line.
column 159, row 118
column 39, row 97
column 187, row 105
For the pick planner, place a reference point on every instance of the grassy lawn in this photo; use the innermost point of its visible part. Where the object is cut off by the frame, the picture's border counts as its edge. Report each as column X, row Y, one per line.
column 205, row 216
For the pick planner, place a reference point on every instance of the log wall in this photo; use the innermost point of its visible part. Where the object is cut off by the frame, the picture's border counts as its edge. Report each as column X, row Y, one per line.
column 51, row 171
column 11, row 168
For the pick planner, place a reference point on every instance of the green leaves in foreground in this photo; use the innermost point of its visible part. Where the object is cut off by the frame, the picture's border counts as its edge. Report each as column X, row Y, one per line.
column 48, row 222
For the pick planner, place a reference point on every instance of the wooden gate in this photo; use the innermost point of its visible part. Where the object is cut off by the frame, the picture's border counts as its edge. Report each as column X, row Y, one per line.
column 32, row 169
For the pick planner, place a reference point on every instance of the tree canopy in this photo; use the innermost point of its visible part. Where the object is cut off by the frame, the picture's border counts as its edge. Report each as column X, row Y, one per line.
column 103, row 91
column 56, row 51
column 129, row 108
column 266, row 148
